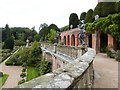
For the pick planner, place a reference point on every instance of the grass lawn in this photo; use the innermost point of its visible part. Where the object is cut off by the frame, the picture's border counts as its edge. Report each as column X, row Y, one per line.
column 32, row 72
column 3, row 79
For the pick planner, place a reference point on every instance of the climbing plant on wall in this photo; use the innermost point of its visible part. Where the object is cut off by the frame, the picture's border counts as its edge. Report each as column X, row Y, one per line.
column 109, row 24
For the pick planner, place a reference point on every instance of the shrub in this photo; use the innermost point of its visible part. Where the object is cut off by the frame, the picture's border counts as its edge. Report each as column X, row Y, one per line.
column 19, row 43
column 22, row 74
column 18, row 63
column 118, row 56
column 110, row 52
column 24, row 65
column 21, row 81
column 8, row 62
column 24, row 69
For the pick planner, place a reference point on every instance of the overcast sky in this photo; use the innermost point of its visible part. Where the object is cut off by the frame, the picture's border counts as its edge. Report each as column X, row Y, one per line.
column 29, row 13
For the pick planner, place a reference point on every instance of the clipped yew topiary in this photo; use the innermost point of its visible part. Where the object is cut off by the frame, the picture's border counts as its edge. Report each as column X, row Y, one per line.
column 21, row 81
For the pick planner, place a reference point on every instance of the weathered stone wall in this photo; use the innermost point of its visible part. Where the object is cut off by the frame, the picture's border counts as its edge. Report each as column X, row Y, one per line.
column 78, row 73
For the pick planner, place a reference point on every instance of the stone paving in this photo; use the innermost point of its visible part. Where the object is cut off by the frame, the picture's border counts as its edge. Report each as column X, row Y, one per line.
column 106, row 72
column 13, row 72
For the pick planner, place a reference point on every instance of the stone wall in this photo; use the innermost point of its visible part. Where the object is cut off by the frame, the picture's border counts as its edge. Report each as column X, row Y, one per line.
column 78, row 73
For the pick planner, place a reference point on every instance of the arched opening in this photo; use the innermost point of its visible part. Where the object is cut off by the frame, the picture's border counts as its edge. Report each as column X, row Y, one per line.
column 78, row 40
column 90, row 40
column 73, row 40
column 68, row 39
column 64, row 40
column 103, row 42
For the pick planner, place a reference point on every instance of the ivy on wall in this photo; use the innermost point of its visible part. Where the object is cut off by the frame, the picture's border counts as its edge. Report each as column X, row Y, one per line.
column 109, row 24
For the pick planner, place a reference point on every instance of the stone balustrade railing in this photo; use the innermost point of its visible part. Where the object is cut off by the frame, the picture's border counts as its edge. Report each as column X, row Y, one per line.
column 48, row 46
column 78, row 74
column 70, row 51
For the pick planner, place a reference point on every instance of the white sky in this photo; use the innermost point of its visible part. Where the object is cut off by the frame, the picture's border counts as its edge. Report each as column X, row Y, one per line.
column 29, row 13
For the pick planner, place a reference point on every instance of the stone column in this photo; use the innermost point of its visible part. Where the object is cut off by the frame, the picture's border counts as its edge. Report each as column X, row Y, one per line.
column 66, row 40
column 87, row 40
column 96, row 41
column 70, row 40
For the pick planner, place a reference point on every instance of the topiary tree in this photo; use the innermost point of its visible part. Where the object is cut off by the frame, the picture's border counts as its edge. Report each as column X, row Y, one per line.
column 117, row 7
column 89, row 16
column 73, row 20
column 82, row 16
column 98, row 9
column 108, row 8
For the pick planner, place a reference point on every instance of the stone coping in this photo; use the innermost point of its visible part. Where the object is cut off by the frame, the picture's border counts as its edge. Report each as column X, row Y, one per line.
column 64, row 76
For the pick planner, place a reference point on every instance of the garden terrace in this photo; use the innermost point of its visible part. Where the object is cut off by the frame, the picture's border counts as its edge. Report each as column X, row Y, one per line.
column 75, row 72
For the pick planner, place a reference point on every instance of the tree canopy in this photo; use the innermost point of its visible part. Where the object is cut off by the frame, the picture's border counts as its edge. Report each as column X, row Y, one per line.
column 82, row 16
column 73, row 20
column 46, row 30
column 103, row 9
column 89, row 16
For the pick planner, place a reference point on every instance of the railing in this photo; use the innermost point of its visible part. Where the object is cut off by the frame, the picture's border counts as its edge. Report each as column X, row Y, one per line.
column 70, row 51
column 48, row 46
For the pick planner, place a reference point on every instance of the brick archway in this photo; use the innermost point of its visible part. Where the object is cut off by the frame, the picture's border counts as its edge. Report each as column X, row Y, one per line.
column 90, row 40
column 70, row 37
column 78, row 42
column 73, row 40
column 64, row 40
column 68, row 40
column 103, row 42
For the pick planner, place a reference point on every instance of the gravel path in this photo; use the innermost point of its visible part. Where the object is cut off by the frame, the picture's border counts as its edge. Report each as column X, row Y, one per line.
column 106, row 72
column 13, row 72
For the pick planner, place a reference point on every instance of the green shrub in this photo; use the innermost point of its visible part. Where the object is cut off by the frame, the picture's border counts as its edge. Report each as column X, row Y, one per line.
column 24, row 69
column 110, row 52
column 118, row 56
column 8, row 62
column 24, row 65
column 18, row 63
column 6, row 50
column 21, row 81
column 22, row 74
column 19, row 43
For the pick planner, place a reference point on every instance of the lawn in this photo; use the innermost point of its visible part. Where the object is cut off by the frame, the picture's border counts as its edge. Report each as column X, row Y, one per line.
column 32, row 72
column 3, row 79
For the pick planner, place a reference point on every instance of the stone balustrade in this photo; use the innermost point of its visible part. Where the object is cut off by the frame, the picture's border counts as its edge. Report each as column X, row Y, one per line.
column 77, row 74
column 70, row 51
column 48, row 46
